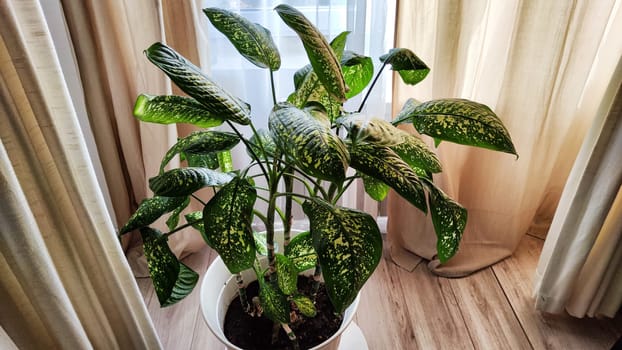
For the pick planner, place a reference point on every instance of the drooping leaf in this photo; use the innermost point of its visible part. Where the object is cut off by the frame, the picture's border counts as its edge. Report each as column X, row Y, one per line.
column 287, row 275
column 197, row 218
column 322, row 58
column 385, row 165
column 410, row 67
column 150, row 210
column 416, row 153
column 227, row 219
column 274, row 302
column 263, row 141
column 375, row 188
column 358, row 71
column 301, row 252
column 173, row 220
column 464, row 122
column 348, row 245
column 192, row 81
column 185, row 181
column 201, row 142
column 172, row 280
column 449, row 219
column 308, row 143
column 305, row 305
column 405, row 114
column 374, row 130
column 252, row 40
column 174, row 109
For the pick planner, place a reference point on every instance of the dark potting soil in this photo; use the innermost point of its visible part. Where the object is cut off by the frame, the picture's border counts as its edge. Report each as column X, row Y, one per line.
column 255, row 333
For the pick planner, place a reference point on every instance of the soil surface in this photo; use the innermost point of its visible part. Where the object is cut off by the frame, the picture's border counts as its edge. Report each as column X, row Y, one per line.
column 255, row 333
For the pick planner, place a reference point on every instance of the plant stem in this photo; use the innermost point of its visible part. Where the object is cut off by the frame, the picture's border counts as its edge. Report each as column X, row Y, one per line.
column 371, row 87
column 242, row 291
column 272, row 85
column 199, row 199
column 270, row 230
column 291, row 335
column 287, row 222
column 250, row 149
column 316, row 280
column 344, row 188
column 179, row 228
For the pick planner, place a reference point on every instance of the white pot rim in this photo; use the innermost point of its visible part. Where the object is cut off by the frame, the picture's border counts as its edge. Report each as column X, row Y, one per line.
column 211, row 291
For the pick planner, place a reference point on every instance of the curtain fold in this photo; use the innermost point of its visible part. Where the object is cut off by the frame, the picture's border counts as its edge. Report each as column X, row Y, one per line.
column 579, row 269
column 543, row 67
column 64, row 280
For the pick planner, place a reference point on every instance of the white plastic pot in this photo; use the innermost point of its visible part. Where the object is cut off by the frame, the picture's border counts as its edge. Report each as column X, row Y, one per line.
column 219, row 289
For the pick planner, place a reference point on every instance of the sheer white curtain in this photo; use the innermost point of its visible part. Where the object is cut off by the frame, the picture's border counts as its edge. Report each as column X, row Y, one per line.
column 371, row 23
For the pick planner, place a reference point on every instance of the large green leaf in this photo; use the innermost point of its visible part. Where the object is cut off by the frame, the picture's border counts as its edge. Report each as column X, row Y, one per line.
column 449, row 219
column 150, row 210
column 462, row 121
column 287, row 275
column 172, row 280
column 273, row 302
column 405, row 114
column 322, row 58
column 348, row 245
column 385, row 165
column 185, row 181
column 174, row 109
column 407, row 64
column 204, row 160
column 201, row 142
column 300, row 251
column 416, row 153
column 376, row 131
column 375, row 188
column 357, row 72
column 192, row 81
column 197, row 218
column 309, row 143
column 252, row 40
column 227, row 219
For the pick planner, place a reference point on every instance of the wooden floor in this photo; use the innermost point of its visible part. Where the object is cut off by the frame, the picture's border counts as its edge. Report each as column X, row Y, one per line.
column 492, row 309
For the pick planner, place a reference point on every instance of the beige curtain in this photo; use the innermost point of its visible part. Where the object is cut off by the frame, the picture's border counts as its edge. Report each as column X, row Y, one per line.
column 108, row 39
column 580, row 269
column 543, row 67
column 64, row 282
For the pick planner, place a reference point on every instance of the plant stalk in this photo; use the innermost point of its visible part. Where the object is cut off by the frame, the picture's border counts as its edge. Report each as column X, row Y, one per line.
column 371, row 87
column 179, row 228
column 273, row 87
column 316, row 281
column 291, row 335
column 242, row 292
column 287, row 222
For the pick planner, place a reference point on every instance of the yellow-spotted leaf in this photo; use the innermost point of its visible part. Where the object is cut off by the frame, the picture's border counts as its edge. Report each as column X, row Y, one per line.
column 405, row 114
column 416, row 153
column 196, row 217
column 192, row 81
column 374, row 130
column 300, row 251
column 174, row 109
column 462, row 121
column 274, row 303
column 173, row 220
column 227, row 220
column 287, row 275
column 172, row 280
column 150, row 210
column 375, row 188
column 308, row 143
column 385, row 165
column 322, row 58
column 410, row 67
column 305, row 305
column 449, row 219
column 201, row 142
column 185, row 181
column 252, row 40
column 348, row 244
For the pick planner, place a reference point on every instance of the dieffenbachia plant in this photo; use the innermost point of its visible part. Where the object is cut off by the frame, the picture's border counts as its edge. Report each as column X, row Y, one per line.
column 303, row 144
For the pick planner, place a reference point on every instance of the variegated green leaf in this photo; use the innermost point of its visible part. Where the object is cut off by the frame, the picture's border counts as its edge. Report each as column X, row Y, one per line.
column 449, row 219
column 385, row 165
column 376, row 131
column 174, row 109
column 225, row 161
column 357, row 72
column 348, row 245
column 411, row 69
column 227, row 219
column 205, row 160
column 173, row 220
column 300, row 251
column 405, row 114
column 185, row 181
column 464, row 122
column 262, row 141
column 192, row 81
column 201, row 142
column 261, row 243
column 172, row 280
column 150, row 210
column 274, row 302
column 416, row 153
column 197, row 218
column 309, row 143
column 305, row 305
column 375, row 188
column 287, row 275
column 252, row 40
column 322, row 58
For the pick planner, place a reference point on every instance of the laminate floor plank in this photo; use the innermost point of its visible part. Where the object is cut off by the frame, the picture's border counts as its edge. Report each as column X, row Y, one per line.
column 202, row 337
column 546, row 331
